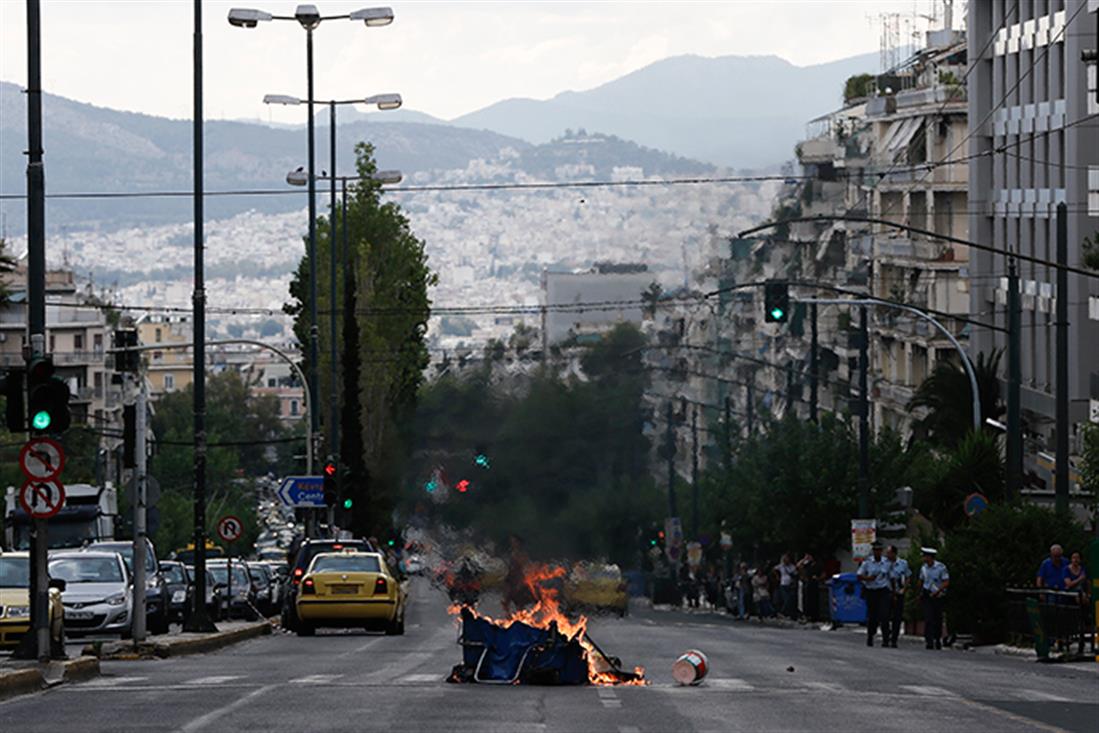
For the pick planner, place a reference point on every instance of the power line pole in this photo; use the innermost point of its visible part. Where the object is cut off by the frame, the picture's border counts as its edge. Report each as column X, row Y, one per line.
column 813, row 362
column 751, row 406
column 790, row 408
column 140, row 495
column 1014, row 379
column 1061, row 487
column 334, row 371
column 864, row 415
column 727, row 463
column 694, row 472
column 669, row 447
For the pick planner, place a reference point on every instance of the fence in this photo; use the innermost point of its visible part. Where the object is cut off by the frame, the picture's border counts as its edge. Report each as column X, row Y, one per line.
column 1051, row 620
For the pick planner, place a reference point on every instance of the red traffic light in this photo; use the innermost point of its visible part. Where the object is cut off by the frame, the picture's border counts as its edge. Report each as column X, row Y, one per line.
column 330, row 469
column 462, row 486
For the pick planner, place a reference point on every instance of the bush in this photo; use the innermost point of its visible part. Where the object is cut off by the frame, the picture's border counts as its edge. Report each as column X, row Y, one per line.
column 1001, row 547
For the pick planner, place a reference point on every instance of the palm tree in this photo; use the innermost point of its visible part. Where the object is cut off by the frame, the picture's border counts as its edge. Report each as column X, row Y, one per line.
column 946, row 395
column 7, row 264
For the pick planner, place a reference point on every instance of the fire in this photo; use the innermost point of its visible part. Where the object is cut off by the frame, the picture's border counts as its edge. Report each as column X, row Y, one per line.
column 546, row 611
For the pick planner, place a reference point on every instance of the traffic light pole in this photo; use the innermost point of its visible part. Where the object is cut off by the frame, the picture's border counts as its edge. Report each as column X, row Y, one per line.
column 140, row 496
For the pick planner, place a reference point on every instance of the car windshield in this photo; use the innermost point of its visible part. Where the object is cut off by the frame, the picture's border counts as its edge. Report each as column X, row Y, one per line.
column 126, row 549
column 346, row 564
column 173, row 573
column 313, row 549
column 15, row 572
column 86, row 570
column 259, row 575
column 221, row 574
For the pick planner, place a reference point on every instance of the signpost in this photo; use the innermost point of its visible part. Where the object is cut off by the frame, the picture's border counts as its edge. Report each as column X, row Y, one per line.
column 974, row 504
column 673, row 540
column 42, row 499
column 230, row 528
column 42, row 458
column 863, row 534
column 303, row 491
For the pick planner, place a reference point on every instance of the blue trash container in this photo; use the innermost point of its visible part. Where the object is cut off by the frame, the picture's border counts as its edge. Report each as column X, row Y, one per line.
column 845, row 599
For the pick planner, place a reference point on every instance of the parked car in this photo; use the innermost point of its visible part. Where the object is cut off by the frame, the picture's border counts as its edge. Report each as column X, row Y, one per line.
column 157, row 595
column 265, row 587
column 98, row 594
column 15, row 603
column 303, row 555
column 174, row 574
column 214, row 600
column 237, row 590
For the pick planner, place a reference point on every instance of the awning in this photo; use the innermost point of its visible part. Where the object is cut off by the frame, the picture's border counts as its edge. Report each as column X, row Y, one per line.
column 898, row 146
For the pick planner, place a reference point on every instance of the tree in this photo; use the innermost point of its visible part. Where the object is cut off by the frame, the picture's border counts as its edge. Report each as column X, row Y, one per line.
column 947, row 396
column 391, row 307
column 974, row 465
column 858, row 86
column 7, row 264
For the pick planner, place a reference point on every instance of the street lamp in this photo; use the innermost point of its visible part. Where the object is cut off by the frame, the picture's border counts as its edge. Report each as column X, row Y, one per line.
column 300, row 177
column 310, row 18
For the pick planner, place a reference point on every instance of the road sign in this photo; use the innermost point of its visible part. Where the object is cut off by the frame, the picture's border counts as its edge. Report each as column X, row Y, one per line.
column 302, row 491
column 42, row 499
column 863, row 534
column 974, row 504
column 230, row 528
column 42, row 459
column 673, row 539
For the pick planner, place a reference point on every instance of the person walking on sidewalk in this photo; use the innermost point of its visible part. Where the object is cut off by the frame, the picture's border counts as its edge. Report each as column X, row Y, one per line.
column 899, row 575
column 874, row 574
column 787, row 586
column 934, row 580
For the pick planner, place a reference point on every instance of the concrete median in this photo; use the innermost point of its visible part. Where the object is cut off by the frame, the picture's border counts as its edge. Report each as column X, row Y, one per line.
column 33, row 677
column 177, row 645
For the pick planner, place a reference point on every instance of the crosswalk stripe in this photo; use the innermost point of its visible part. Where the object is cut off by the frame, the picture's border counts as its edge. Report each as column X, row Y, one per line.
column 1039, row 696
column 114, row 681
column 824, row 686
column 421, row 678
column 729, row 683
column 928, row 690
column 315, row 679
column 216, row 679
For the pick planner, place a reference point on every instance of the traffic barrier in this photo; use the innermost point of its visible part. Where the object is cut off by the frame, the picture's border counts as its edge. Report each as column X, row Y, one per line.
column 1051, row 620
column 690, row 668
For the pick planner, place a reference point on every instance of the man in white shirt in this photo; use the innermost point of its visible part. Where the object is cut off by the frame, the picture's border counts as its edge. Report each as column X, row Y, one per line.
column 934, row 580
column 874, row 574
column 899, row 575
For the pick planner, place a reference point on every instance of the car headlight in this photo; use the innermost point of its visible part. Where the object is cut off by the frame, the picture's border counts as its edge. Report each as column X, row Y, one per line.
column 179, row 596
column 18, row 611
column 116, row 600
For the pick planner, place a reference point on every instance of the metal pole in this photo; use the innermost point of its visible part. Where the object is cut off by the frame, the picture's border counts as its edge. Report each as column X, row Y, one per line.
column 314, row 333
column 728, row 453
column 1061, row 486
column 751, row 406
column 694, row 473
column 1014, row 380
column 790, row 389
column 140, row 496
column 198, row 620
column 334, row 374
column 36, row 299
column 814, row 364
column 669, row 443
column 864, row 415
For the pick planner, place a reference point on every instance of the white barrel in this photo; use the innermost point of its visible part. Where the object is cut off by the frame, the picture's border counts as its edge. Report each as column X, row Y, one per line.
column 690, row 668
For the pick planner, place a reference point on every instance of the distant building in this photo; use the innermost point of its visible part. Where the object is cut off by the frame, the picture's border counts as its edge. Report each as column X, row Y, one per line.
column 604, row 296
column 1034, row 145
column 172, row 368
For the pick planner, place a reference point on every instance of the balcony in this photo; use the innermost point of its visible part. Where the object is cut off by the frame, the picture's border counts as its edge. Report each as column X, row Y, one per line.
column 819, row 150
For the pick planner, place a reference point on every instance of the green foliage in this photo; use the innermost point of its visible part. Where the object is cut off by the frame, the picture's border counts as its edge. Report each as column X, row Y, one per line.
column 1003, row 546
column 569, row 460
column 7, row 264
column 1090, row 248
column 391, row 279
column 974, row 465
column 948, row 397
column 1089, row 462
column 858, row 86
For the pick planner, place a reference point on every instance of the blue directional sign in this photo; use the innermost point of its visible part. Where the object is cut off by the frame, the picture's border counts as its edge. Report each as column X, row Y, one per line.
column 302, row 491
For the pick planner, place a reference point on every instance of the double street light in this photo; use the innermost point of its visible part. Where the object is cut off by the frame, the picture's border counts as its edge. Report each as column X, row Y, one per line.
column 310, row 18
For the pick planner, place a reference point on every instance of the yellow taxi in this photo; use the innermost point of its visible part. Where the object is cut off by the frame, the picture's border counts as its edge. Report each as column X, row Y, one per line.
column 15, row 604
column 598, row 587
column 349, row 589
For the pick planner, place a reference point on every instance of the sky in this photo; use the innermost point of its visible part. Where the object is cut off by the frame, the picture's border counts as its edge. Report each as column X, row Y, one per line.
column 444, row 58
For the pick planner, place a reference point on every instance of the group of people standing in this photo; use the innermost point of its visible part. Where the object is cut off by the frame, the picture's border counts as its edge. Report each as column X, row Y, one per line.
column 788, row 588
column 886, row 579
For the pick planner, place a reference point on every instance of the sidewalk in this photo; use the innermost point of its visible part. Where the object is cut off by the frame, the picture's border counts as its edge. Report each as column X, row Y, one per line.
column 178, row 643
column 19, row 677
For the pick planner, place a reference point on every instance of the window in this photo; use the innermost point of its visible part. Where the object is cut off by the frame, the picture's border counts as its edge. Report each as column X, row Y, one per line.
column 97, row 342
column 169, row 382
column 293, row 407
column 159, row 336
column 78, row 342
column 53, row 343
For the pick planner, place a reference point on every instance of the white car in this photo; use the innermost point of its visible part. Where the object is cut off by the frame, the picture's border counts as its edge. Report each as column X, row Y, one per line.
column 97, row 595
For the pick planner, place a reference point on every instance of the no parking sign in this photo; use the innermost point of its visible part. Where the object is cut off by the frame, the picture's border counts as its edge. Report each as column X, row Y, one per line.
column 230, row 528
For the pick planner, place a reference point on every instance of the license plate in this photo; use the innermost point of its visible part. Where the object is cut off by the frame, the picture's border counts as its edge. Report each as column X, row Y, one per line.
column 79, row 615
column 344, row 590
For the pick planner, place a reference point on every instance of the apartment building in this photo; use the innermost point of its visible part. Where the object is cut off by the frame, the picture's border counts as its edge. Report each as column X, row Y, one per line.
column 1034, row 145
column 172, row 368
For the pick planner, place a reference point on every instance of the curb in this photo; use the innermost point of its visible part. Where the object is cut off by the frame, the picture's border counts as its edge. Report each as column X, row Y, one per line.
column 39, row 677
column 162, row 649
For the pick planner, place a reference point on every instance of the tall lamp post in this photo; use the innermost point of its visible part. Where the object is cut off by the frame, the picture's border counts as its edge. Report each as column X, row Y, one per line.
column 382, row 102
column 310, row 18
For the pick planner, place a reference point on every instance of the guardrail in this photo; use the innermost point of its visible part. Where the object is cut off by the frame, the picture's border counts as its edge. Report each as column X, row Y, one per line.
column 1051, row 621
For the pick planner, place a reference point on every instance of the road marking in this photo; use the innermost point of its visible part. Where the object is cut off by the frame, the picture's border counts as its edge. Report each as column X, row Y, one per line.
column 1039, row 696
column 361, row 648
column 929, row 691
column 628, row 729
column 421, row 678
column 729, row 683
column 824, row 686
column 114, row 681
column 605, row 692
column 315, row 679
column 216, row 679
column 204, row 720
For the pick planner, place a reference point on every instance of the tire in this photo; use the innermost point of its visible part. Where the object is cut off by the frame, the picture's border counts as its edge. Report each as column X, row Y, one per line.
column 395, row 627
column 305, row 630
column 159, row 624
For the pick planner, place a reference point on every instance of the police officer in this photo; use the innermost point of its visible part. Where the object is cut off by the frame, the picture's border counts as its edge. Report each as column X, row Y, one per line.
column 874, row 574
column 934, row 580
column 899, row 575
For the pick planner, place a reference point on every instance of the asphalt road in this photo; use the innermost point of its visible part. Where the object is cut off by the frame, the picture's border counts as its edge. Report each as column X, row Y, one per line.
column 356, row 681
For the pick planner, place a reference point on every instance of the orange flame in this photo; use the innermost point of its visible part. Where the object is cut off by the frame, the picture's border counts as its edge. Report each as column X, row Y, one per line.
column 546, row 610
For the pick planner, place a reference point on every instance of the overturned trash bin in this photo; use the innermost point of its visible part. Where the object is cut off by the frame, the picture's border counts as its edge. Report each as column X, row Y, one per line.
column 516, row 652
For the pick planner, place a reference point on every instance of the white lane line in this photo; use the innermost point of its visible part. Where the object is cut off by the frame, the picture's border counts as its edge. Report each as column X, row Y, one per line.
column 628, row 729
column 414, row 678
column 611, row 704
column 1039, row 696
column 928, row 691
column 204, row 720
column 361, row 648
column 605, row 692
column 824, row 686
column 315, row 679
column 728, row 683
column 215, row 679
column 114, row 681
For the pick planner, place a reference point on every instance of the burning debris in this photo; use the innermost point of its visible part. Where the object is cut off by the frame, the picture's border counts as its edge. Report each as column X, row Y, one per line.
column 535, row 644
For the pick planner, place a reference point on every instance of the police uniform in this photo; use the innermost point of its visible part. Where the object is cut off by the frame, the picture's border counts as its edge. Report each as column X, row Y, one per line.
column 874, row 574
column 933, row 579
column 899, row 575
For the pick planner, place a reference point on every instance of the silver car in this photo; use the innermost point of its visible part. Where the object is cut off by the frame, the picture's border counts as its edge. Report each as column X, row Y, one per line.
column 97, row 596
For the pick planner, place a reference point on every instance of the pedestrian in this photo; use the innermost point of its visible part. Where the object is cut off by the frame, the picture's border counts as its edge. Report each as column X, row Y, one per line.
column 742, row 585
column 899, row 576
column 809, row 572
column 874, row 574
column 1051, row 573
column 1075, row 578
column 934, row 580
column 787, row 586
column 761, row 594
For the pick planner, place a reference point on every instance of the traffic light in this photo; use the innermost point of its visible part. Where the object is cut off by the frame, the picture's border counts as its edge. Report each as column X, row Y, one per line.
column 430, row 485
column 330, row 492
column 462, row 486
column 15, row 415
column 776, row 301
column 481, row 459
column 47, row 398
column 126, row 361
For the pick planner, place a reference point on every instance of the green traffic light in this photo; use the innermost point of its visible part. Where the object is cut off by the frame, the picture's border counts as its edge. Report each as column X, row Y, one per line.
column 41, row 420
column 346, row 503
column 481, row 460
column 391, row 543
column 776, row 313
